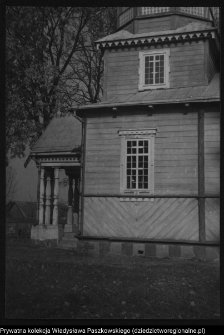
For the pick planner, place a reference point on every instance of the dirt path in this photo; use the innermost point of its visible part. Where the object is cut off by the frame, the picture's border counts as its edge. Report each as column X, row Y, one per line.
column 44, row 283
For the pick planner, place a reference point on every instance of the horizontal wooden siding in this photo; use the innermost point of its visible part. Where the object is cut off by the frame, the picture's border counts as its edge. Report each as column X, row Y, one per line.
column 186, row 68
column 212, row 175
column 176, row 164
column 154, row 24
column 175, row 152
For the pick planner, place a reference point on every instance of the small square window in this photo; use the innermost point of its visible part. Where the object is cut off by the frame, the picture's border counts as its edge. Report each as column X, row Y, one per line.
column 154, row 69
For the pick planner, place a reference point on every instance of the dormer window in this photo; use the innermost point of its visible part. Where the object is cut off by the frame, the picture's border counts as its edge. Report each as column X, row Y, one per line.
column 154, row 69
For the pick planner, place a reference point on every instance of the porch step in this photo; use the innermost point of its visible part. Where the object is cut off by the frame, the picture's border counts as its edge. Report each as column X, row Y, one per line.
column 66, row 238
column 68, row 242
column 70, row 235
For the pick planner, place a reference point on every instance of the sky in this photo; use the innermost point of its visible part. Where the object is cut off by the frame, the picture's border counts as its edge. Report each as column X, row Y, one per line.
column 27, row 180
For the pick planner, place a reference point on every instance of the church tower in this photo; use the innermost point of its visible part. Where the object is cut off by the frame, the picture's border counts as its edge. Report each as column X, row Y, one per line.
column 150, row 153
column 152, row 145
column 139, row 20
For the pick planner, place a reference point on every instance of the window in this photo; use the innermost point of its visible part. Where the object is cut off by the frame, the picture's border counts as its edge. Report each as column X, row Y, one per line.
column 137, row 161
column 154, row 69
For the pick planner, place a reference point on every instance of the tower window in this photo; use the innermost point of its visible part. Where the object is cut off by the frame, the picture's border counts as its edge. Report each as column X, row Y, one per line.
column 154, row 69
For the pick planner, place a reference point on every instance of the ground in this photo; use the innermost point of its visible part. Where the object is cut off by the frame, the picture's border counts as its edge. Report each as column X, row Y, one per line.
column 51, row 283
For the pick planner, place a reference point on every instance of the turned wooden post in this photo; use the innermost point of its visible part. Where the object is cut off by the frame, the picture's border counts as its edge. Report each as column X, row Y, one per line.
column 38, row 193
column 41, row 202
column 56, row 192
column 48, row 198
column 70, row 197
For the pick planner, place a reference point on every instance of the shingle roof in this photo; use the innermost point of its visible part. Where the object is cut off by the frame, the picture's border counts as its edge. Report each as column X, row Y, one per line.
column 123, row 34
column 203, row 93
column 62, row 134
column 27, row 209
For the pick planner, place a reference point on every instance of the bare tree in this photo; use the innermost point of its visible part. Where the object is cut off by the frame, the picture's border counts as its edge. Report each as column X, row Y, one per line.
column 43, row 48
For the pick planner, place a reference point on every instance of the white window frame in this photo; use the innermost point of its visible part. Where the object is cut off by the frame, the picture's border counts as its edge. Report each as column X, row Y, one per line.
column 141, row 134
column 142, row 54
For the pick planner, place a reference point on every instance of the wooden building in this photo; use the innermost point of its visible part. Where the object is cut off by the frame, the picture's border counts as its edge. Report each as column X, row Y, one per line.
column 150, row 169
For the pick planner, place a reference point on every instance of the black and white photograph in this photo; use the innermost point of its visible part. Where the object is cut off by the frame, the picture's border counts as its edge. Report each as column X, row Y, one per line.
column 112, row 164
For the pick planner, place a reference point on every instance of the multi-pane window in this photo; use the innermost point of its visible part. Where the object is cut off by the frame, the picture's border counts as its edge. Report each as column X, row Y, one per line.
column 137, row 165
column 137, row 161
column 154, row 69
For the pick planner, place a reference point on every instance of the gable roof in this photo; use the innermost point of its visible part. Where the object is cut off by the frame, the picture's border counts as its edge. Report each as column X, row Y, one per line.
column 62, row 134
column 26, row 209
column 203, row 93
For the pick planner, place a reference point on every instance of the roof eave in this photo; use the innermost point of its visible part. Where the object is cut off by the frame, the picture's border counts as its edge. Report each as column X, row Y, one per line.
column 145, row 103
column 157, row 36
column 56, row 153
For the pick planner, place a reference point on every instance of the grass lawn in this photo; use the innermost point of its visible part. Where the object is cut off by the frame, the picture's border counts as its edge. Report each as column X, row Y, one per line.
column 45, row 283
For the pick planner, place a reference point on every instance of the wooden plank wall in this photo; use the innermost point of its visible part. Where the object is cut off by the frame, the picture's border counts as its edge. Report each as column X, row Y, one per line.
column 212, row 174
column 183, row 21
column 154, row 24
column 212, row 152
column 211, row 64
column 176, row 164
column 186, row 68
column 129, row 28
column 175, row 152
column 163, row 219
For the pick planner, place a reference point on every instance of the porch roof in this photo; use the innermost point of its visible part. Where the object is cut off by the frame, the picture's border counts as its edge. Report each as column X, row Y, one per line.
column 63, row 134
column 204, row 93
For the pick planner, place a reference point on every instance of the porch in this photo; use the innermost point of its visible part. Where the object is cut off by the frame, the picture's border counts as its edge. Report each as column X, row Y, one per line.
column 58, row 149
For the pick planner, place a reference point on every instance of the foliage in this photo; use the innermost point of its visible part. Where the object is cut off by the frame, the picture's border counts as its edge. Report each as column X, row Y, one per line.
column 11, row 183
column 51, row 61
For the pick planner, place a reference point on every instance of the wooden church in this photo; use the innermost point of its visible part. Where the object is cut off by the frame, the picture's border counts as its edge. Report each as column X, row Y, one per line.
column 143, row 164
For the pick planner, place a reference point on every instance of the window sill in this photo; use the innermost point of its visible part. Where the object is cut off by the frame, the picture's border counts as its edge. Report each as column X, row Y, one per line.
column 131, row 197
column 146, row 88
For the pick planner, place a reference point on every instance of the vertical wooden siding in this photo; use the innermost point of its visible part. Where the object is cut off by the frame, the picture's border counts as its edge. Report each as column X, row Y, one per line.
column 186, row 68
column 212, row 174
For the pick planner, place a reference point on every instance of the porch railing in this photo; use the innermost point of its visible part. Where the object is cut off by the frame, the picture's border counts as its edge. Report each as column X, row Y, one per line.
column 154, row 10
column 198, row 11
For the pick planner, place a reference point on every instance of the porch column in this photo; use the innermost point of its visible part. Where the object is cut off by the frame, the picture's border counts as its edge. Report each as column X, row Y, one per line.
column 38, row 193
column 70, row 197
column 56, row 193
column 76, row 202
column 41, row 202
column 48, row 198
